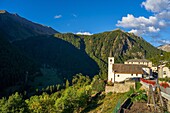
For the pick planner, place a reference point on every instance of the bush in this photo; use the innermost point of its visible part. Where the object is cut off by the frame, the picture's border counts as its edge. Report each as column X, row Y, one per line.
column 138, row 85
column 14, row 104
column 109, row 83
column 98, row 85
column 166, row 79
column 140, row 97
column 110, row 93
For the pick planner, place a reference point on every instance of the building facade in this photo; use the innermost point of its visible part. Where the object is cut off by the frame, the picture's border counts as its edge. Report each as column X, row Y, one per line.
column 163, row 71
column 139, row 62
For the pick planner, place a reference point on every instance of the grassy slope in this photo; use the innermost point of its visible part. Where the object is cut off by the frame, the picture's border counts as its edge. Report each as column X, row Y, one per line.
column 105, row 104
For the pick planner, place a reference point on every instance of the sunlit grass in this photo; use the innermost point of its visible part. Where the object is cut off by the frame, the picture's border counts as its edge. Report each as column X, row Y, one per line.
column 108, row 103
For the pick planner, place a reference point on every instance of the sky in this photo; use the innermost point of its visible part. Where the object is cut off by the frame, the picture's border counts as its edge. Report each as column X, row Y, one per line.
column 149, row 19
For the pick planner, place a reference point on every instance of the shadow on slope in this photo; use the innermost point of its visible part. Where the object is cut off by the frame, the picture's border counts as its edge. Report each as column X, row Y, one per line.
column 56, row 53
column 13, row 65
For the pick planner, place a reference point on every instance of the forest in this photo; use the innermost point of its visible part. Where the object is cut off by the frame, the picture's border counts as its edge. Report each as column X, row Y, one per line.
column 71, row 97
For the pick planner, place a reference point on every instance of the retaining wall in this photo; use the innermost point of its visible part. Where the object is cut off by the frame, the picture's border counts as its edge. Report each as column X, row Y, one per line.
column 120, row 87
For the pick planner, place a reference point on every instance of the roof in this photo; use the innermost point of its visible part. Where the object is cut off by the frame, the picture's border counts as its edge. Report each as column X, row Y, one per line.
column 128, row 68
column 137, row 60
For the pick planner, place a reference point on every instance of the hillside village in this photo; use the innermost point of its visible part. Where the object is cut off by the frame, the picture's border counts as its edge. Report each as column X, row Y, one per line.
column 46, row 71
column 135, row 68
column 123, row 77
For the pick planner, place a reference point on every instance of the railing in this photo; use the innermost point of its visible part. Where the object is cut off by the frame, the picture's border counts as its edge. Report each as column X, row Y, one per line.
column 146, row 83
column 165, row 91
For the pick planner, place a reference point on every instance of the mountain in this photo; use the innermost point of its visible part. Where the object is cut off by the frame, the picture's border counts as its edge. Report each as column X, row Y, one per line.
column 68, row 53
column 55, row 53
column 14, row 66
column 116, row 43
column 27, row 47
column 165, row 47
column 20, row 28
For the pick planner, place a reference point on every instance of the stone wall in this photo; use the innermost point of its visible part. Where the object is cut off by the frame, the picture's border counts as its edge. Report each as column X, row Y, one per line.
column 120, row 87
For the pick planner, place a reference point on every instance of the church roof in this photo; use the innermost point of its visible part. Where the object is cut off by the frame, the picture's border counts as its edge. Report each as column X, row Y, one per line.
column 128, row 68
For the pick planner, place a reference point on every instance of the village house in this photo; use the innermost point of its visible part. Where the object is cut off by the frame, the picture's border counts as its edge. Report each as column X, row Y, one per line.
column 154, row 69
column 139, row 62
column 122, row 72
column 163, row 71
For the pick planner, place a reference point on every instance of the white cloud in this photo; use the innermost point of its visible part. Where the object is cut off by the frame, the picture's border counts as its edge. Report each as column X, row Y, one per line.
column 140, row 25
column 83, row 33
column 156, row 5
column 132, row 22
column 153, row 29
column 164, row 15
column 74, row 15
column 164, row 41
column 162, row 23
column 151, row 26
column 137, row 32
column 57, row 16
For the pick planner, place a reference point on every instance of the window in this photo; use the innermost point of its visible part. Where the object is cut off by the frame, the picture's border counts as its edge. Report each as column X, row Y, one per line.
column 131, row 74
column 164, row 72
column 136, row 74
column 110, row 60
column 118, row 75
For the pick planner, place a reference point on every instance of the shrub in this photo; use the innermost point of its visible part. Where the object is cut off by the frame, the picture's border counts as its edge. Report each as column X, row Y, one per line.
column 110, row 83
column 138, row 85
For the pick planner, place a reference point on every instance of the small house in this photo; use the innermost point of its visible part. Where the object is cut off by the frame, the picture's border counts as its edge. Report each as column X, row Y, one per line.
column 163, row 71
column 139, row 62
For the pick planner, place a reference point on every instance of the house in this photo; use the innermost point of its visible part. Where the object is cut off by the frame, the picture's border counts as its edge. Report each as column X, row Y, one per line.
column 154, row 69
column 121, row 72
column 163, row 71
column 139, row 62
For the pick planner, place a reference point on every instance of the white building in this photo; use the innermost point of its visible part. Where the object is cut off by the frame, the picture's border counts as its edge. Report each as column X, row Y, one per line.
column 139, row 62
column 121, row 72
column 154, row 69
column 163, row 71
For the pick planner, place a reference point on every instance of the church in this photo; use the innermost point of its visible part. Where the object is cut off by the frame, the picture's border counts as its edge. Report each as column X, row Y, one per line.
column 122, row 72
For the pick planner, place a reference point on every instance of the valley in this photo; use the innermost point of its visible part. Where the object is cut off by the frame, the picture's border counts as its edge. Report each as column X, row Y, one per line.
column 43, row 70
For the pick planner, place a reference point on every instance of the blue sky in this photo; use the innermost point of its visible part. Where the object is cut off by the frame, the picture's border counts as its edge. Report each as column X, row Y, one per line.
column 96, row 16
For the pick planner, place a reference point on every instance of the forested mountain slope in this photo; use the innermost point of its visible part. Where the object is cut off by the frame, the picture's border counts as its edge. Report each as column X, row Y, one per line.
column 55, row 53
column 117, row 43
column 14, row 66
column 69, row 53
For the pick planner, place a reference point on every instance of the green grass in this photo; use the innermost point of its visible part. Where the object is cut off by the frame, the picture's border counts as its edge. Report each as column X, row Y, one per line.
column 106, row 104
column 138, row 85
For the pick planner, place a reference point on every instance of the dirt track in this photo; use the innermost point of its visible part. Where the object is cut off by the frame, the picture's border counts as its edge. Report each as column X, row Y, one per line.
column 138, row 107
